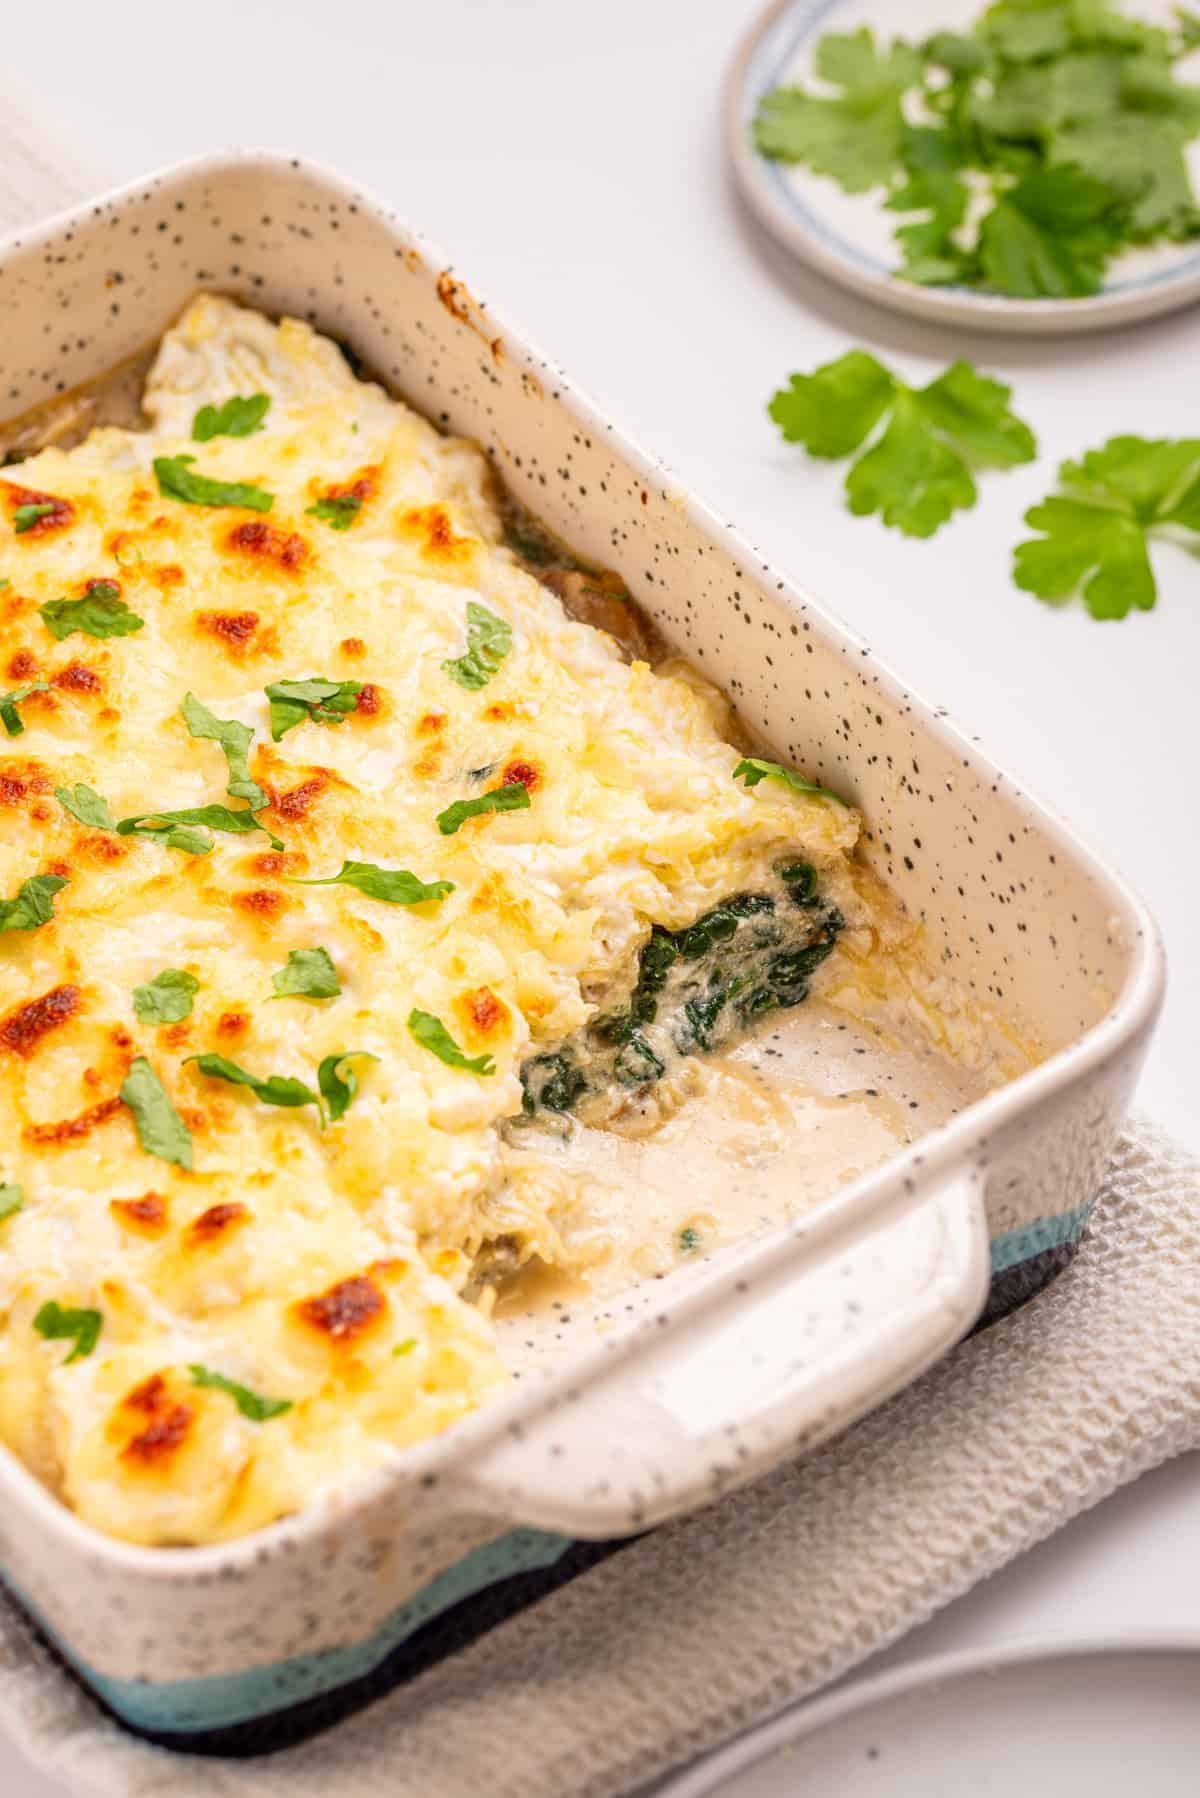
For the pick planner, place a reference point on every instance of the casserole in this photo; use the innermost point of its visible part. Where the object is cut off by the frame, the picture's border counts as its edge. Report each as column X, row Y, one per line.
column 721, row 1369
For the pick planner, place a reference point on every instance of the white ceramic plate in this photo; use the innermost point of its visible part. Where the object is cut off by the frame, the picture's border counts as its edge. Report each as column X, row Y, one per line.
column 1090, row 1720
column 848, row 237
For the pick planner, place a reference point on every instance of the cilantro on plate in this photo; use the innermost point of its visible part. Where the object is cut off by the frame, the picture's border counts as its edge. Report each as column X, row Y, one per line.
column 918, row 470
column 752, row 769
column 12, row 1200
column 1097, row 529
column 1035, row 145
column 235, row 739
column 84, row 803
column 337, row 510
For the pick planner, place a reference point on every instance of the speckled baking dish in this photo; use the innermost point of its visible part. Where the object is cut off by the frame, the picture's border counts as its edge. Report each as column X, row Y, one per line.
column 722, row 1369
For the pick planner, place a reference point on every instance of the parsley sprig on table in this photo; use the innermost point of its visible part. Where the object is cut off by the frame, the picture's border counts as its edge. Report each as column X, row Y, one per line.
column 1097, row 528
column 1063, row 121
column 918, row 470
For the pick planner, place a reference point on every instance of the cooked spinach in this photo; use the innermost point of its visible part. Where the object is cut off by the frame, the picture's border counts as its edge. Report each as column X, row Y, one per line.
column 693, row 989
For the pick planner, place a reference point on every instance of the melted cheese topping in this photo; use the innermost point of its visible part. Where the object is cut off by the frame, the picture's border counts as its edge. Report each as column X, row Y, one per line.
column 320, row 1266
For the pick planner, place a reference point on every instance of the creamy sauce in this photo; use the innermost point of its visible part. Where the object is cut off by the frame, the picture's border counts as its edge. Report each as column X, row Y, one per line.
column 765, row 1131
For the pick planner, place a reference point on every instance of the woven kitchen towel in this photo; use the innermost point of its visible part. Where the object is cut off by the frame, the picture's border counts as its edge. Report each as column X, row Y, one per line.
column 641, row 1664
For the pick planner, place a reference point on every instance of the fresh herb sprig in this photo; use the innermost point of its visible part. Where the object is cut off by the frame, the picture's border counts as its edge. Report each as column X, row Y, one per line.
column 1096, row 530
column 1066, row 121
column 918, row 469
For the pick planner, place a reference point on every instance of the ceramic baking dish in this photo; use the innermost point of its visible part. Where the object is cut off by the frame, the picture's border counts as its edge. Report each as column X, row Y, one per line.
column 723, row 1369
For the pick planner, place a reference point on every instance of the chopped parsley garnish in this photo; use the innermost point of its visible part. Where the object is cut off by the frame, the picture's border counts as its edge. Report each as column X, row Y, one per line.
column 432, row 1034
column 406, row 1347
column 689, row 1239
column 752, row 769
column 100, row 613
column 513, row 798
column 235, row 739
column 918, row 470
column 58, row 1323
column 277, row 1089
column 167, row 998
column 1098, row 528
column 338, row 510
column 174, row 829
column 9, row 716
column 240, row 416
column 84, row 803
column 34, row 903
column 176, row 481
column 12, row 1200
column 338, row 1081
column 317, row 701
column 309, row 974
column 160, row 1129
column 25, row 517
column 251, row 1404
column 1064, row 118
column 489, row 640
column 396, row 886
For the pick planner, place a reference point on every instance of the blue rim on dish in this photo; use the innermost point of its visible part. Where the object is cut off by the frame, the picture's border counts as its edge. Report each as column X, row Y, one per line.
column 268, row 1707
column 767, row 58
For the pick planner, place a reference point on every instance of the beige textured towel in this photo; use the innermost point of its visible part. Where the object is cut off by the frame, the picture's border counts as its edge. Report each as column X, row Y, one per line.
column 716, row 1622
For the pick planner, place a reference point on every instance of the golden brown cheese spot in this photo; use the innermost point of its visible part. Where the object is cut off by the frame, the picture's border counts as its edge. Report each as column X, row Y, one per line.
column 298, row 802
column 166, row 576
column 432, row 528
column 12, row 789
column 215, row 1224
column 232, row 1024
column 22, row 778
column 431, row 723
column 522, row 774
column 370, row 701
column 263, row 903
column 277, row 862
column 41, row 812
column 23, row 666
column 176, row 1036
column 168, row 1423
column 353, row 647
column 235, row 631
column 98, row 846
column 23, row 1029
column 61, row 514
column 69, row 1130
column 346, row 1311
column 77, row 677
column 484, row 1012
column 146, row 1216
column 263, row 542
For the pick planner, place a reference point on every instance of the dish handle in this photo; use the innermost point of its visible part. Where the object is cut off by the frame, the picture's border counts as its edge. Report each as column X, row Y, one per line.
column 854, row 1305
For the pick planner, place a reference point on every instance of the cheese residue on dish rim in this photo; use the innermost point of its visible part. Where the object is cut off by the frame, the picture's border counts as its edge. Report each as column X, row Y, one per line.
column 301, row 1302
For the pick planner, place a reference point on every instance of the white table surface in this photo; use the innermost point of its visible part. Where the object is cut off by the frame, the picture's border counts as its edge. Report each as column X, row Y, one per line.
column 569, row 158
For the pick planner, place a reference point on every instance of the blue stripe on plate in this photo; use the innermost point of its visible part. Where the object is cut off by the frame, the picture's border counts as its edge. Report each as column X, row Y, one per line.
column 1034, row 1239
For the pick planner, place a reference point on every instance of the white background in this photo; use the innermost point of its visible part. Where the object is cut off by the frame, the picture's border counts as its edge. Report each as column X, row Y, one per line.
column 569, row 159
